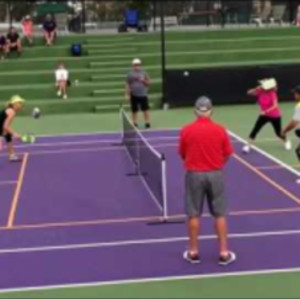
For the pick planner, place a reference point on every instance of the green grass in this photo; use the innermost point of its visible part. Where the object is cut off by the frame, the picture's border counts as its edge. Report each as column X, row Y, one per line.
column 252, row 286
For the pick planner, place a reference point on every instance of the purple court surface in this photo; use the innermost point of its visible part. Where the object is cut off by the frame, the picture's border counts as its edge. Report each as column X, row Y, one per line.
column 71, row 214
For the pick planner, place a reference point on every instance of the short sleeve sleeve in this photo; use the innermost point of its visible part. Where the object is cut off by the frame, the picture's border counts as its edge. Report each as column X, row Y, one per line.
column 296, row 116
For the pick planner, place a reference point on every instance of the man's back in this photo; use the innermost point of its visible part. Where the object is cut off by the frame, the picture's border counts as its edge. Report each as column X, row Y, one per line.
column 204, row 145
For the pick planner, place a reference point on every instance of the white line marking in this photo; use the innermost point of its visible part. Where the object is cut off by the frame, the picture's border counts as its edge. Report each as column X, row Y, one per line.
column 71, row 143
column 145, row 242
column 117, row 133
column 86, row 150
column 267, row 155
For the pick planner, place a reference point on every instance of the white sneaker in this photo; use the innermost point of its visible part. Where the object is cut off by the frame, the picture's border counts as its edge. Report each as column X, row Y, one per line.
column 59, row 93
column 288, row 145
column 65, row 97
column 14, row 158
column 246, row 149
column 228, row 259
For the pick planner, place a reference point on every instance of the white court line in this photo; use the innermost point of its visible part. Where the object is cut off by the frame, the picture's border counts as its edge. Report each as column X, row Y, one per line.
column 267, row 155
column 85, row 150
column 152, row 280
column 53, row 144
column 102, row 133
column 145, row 242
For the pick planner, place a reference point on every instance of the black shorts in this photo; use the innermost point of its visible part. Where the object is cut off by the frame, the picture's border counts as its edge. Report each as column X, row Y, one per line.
column 297, row 132
column 139, row 103
column 13, row 48
column 7, row 136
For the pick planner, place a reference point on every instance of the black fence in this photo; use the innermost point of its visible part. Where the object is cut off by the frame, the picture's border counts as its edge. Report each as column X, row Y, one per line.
column 227, row 85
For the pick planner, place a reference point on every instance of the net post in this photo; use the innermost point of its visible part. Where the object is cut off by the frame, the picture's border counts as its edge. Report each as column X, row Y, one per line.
column 164, row 186
column 122, row 123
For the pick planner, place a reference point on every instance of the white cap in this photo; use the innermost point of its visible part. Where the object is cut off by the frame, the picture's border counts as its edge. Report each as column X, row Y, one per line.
column 136, row 61
column 268, row 84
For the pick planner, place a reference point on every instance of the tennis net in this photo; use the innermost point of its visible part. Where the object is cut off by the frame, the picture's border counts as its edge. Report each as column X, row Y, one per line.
column 149, row 164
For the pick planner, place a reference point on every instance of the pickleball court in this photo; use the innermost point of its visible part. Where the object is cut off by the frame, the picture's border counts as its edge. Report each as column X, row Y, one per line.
column 73, row 212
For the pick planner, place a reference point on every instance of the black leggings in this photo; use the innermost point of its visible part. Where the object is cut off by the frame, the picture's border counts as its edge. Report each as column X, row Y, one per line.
column 297, row 132
column 262, row 121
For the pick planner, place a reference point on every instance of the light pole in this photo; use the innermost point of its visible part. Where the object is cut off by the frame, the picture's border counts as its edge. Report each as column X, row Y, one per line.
column 163, row 53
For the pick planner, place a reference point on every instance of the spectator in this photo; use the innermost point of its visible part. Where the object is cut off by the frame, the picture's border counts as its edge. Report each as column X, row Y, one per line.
column 205, row 148
column 136, row 91
column 27, row 28
column 3, row 46
column 49, row 27
column 62, row 79
column 13, row 41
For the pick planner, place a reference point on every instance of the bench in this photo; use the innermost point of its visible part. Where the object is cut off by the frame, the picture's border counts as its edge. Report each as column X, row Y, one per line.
column 168, row 20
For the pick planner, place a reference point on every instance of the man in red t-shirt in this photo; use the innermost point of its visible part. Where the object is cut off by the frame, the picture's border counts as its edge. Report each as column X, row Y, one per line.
column 205, row 148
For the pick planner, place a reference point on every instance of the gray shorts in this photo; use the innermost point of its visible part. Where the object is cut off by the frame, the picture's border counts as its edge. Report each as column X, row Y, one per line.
column 200, row 186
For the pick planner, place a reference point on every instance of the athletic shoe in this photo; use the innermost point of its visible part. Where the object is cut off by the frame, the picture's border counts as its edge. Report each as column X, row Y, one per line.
column 147, row 126
column 246, row 149
column 59, row 93
column 191, row 258
column 65, row 97
column 288, row 145
column 14, row 158
column 228, row 259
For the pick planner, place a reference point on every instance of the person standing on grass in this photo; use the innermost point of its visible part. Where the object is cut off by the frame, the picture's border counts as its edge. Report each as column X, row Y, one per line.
column 7, row 117
column 27, row 28
column 13, row 41
column 3, row 46
column 205, row 147
column 267, row 98
column 136, row 91
column 49, row 27
column 61, row 80
column 295, row 122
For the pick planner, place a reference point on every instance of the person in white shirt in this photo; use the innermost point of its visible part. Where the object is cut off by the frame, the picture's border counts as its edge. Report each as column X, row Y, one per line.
column 62, row 78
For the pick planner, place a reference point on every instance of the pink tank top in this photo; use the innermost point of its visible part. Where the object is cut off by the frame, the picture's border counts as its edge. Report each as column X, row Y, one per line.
column 266, row 100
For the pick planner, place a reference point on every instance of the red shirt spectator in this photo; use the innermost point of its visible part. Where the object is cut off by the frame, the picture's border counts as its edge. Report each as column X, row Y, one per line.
column 205, row 147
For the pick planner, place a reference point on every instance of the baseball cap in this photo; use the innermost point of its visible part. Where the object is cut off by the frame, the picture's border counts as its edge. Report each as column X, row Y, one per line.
column 203, row 104
column 268, row 84
column 16, row 99
column 136, row 61
column 296, row 89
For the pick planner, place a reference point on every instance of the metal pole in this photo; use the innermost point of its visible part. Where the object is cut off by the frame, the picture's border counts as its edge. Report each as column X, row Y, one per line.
column 10, row 13
column 163, row 53
column 154, row 15
column 83, row 18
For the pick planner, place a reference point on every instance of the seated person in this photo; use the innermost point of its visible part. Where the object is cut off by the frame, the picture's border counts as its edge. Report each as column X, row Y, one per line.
column 3, row 46
column 27, row 28
column 62, row 79
column 13, row 41
column 49, row 27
